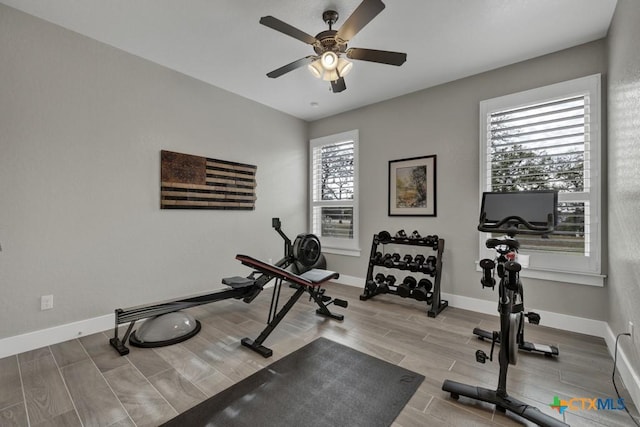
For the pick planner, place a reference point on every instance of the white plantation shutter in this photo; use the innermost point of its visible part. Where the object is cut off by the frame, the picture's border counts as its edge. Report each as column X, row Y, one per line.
column 333, row 180
column 549, row 139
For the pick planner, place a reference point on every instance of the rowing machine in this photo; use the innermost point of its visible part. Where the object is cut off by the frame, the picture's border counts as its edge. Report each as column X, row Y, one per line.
column 166, row 324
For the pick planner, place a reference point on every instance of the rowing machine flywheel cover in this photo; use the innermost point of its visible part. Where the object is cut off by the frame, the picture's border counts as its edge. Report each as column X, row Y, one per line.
column 306, row 249
column 166, row 329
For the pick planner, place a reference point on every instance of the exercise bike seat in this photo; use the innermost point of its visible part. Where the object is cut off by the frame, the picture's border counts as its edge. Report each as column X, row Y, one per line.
column 238, row 282
column 510, row 243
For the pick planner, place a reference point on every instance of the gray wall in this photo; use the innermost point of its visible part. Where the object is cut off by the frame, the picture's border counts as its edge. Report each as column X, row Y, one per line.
column 624, row 174
column 81, row 129
column 443, row 120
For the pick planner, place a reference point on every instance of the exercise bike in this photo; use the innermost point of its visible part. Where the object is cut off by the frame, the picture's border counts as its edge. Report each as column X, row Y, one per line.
column 506, row 251
column 529, row 212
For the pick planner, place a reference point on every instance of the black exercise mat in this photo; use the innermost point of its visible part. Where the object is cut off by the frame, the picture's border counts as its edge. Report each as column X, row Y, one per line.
column 322, row 384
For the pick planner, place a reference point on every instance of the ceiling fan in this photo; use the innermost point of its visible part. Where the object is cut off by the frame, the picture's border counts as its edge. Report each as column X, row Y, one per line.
column 330, row 46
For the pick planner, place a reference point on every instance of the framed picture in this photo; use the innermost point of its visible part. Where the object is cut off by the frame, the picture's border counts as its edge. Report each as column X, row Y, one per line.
column 412, row 186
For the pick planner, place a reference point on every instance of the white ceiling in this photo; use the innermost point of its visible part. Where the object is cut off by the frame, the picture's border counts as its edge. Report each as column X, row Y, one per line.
column 221, row 42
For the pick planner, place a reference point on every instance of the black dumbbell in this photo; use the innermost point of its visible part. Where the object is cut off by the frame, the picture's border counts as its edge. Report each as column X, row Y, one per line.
column 383, row 237
column 435, row 239
column 370, row 287
column 375, row 259
column 401, row 235
column 429, row 266
column 391, row 280
column 384, row 259
column 381, row 282
column 487, row 266
column 392, row 260
column 404, row 289
column 415, row 235
column 421, row 292
column 406, row 260
column 417, row 262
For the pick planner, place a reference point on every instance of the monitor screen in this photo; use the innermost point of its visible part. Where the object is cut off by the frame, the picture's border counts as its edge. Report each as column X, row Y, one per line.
column 532, row 206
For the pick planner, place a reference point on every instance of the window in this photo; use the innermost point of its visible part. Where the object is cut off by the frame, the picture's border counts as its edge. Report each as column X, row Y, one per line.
column 334, row 192
column 549, row 139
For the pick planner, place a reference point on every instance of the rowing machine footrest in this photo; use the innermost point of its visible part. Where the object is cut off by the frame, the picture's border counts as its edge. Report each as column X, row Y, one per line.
column 238, row 282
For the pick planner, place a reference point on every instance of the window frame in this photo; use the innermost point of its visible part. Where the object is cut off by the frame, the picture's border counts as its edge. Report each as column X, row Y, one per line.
column 334, row 245
column 557, row 266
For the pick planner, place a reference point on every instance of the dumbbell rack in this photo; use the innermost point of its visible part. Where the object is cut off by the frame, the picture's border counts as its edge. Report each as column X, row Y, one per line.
column 434, row 301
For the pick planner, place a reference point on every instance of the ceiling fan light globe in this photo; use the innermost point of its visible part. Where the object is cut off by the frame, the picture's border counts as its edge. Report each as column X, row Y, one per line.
column 344, row 67
column 316, row 69
column 329, row 60
column 330, row 76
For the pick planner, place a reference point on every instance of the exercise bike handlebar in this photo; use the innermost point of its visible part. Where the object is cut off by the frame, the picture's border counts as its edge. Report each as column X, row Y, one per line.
column 511, row 225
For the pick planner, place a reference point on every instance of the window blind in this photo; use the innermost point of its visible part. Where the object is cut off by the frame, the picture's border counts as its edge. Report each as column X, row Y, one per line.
column 545, row 146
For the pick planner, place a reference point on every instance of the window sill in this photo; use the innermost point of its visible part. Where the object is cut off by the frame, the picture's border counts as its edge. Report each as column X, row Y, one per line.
column 341, row 251
column 561, row 276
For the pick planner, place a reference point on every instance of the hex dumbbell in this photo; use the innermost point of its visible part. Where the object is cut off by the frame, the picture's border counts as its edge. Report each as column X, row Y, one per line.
column 421, row 292
column 392, row 260
column 381, row 284
column 404, row 289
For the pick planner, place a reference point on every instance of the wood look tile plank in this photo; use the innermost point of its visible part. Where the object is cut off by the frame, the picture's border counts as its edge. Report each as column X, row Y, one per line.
column 29, row 356
column 104, row 356
column 214, row 384
column 10, row 384
column 68, row 352
column 94, row 400
column 147, row 361
column 143, row 402
column 45, row 393
column 177, row 390
column 14, row 416
column 185, row 362
column 68, row 419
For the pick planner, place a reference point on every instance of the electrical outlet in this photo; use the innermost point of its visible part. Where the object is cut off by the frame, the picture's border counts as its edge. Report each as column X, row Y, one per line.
column 46, row 302
column 630, row 330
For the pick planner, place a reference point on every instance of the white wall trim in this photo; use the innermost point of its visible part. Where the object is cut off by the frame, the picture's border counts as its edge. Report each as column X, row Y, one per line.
column 625, row 369
column 33, row 340
column 358, row 282
column 44, row 337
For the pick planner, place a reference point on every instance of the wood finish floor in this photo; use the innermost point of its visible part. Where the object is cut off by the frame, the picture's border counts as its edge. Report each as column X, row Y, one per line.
column 84, row 382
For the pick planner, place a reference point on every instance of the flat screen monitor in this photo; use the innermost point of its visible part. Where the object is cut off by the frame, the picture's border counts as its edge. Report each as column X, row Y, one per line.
column 532, row 206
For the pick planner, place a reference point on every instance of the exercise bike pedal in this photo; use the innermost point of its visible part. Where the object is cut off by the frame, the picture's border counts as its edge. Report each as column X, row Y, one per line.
column 534, row 318
column 481, row 356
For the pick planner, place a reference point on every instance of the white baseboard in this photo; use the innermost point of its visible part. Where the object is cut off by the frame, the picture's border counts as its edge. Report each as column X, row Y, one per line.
column 350, row 281
column 33, row 340
column 548, row 318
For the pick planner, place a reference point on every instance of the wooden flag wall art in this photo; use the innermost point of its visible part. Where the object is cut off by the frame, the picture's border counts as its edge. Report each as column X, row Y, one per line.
column 195, row 182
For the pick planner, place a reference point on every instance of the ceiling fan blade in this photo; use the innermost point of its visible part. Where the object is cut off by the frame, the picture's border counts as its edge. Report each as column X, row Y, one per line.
column 381, row 56
column 292, row 66
column 338, row 85
column 287, row 29
column 364, row 13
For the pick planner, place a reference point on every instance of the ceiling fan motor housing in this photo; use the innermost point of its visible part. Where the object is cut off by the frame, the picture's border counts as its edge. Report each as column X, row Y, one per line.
column 328, row 41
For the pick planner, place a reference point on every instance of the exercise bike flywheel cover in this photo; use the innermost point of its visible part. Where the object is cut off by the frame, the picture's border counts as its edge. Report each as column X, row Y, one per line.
column 306, row 249
column 384, row 236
